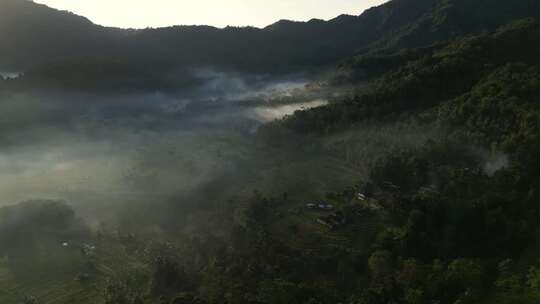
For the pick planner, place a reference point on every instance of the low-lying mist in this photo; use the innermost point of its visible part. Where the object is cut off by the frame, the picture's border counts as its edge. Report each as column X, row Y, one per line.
column 94, row 147
column 102, row 152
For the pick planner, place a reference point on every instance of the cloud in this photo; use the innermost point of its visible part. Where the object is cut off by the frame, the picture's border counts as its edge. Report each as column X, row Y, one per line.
column 265, row 114
column 496, row 162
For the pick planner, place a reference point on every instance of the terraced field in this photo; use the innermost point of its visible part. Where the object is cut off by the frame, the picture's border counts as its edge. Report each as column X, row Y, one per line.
column 311, row 237
column 110, row 261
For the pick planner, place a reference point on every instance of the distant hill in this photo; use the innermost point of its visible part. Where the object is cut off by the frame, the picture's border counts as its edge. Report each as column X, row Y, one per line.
column 34, row 34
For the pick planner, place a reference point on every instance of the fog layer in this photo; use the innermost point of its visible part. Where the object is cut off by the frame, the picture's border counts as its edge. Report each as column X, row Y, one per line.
column 86, row 148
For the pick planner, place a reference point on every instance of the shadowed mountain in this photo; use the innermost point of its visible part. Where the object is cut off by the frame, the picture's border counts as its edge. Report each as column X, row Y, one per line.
column 34, row 34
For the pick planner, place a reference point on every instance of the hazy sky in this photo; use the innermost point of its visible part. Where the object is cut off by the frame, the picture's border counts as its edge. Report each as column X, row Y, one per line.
column 157, row 13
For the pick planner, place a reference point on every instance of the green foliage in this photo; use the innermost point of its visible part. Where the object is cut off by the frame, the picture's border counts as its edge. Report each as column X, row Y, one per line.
column 463, row 272
column 424, row 80
column 121, row 293
column 516, row 287
column 508, row 282
column 533, row 278
column 380, row 264
column 169, row 278
column 453, row 210
column 278, row 292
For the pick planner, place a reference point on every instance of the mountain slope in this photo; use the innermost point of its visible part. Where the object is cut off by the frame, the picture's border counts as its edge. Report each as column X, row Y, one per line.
column 35, row 34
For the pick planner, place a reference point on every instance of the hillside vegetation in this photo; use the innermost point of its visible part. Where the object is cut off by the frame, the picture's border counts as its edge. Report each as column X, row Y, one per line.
column 418, row 184
column 452, row 218
column 284, row 47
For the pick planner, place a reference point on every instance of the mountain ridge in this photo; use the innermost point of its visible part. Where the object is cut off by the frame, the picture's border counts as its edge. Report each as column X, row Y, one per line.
column 35, row 34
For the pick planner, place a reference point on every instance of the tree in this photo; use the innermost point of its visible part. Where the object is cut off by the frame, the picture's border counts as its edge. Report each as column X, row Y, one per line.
column 278, row 291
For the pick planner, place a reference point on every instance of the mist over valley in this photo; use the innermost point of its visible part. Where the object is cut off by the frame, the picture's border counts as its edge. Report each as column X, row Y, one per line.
column 385, row 157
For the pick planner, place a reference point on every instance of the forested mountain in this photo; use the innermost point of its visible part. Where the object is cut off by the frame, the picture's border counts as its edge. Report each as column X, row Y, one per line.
column 414, row 180
column 462, row 223
column 35, row 34
column 32, row 33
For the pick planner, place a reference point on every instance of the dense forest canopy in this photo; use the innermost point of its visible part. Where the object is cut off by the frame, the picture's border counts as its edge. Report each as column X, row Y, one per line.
column 282, row 47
